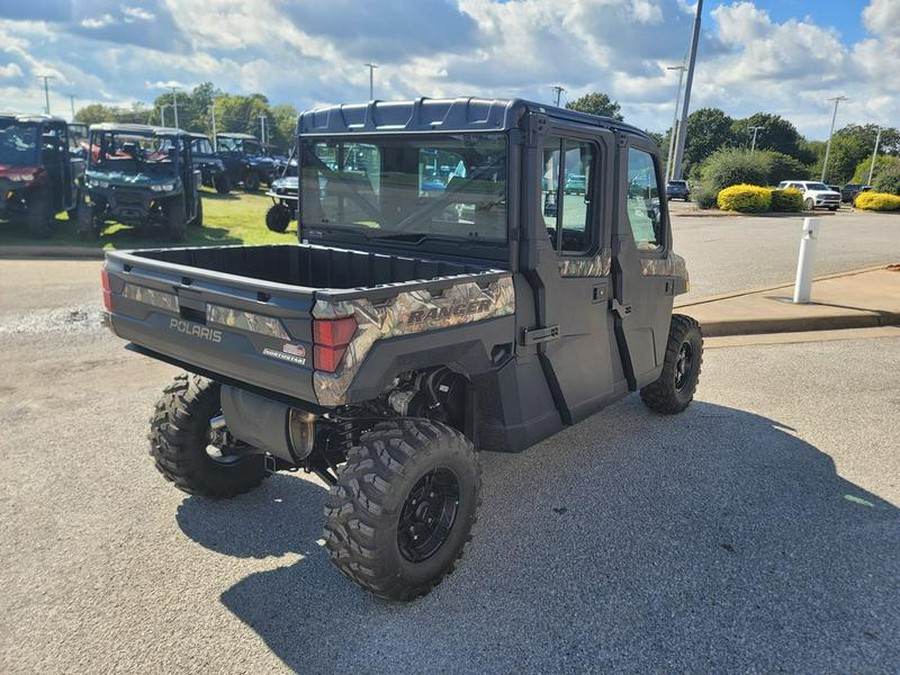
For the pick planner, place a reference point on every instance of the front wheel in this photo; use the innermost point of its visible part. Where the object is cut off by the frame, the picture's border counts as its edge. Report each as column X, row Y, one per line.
column 674, row 390
column 403, row 508
column 278, row 218
column 176, row 218
column 89, row 223
column 186, row 449
column 198, row 218
column 251, row 181
column 810, row 205
column 40, row 215
column 222, row 184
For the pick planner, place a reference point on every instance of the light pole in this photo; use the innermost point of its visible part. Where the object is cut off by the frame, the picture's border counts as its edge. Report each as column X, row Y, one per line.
column 559, row 90
column 874, row 156
column 753, row 143
column 262, row 128
column 674, row 133
column 212, row 111
column 371, row 67
column 175, row 103
column 45, row 78
column 836, row 99
column 162, row 115
column 692, row 62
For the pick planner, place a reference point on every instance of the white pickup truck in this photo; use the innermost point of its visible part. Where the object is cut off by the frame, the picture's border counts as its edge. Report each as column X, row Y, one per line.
column 815, row 194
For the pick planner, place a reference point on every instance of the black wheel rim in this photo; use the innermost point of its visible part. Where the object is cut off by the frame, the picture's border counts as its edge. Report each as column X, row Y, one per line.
column 428, row 515
column 684, row 363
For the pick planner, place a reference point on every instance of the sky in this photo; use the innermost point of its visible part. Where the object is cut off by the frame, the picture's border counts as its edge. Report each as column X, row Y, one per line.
column 786, row 57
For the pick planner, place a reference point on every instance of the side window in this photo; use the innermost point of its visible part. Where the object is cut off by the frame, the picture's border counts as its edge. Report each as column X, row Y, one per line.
column 567, row 170
column 642, row 200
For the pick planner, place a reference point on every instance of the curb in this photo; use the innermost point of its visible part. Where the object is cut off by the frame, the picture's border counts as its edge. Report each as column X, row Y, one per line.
column 799, row 324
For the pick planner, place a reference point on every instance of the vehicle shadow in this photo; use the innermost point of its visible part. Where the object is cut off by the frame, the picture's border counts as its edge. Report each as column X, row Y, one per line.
column 216, row 196
column 710, row 541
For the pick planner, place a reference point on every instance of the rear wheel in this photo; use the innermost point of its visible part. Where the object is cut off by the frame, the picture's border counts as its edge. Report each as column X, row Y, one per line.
column 251, row 181
column 674, row 390
column 39, row 216
column 403, row 508
column 186, row 449
column 222, row 184
column 278, row 217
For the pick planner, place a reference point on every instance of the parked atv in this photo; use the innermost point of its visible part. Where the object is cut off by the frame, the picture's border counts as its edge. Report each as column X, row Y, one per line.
column 38, row 175
column 245, row 160
column 141, row 176
column 212, row 168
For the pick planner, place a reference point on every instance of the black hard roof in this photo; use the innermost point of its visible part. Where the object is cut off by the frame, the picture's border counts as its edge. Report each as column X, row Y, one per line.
column 432, row 114
column 142, row 129
column 28, row 118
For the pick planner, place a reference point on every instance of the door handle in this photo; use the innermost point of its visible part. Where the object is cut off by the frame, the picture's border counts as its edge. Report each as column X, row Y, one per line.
column 618, row 308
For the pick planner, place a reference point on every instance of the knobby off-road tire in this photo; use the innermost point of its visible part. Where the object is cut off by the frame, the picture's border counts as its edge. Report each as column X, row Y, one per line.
column 674, row 390
column 251, row 181
column 180, row 436
column 377, row 528
column 176, row 218
column 89, row 225
column 198, row 219
column 39, row 217
column 222, row 184
column 278, row 218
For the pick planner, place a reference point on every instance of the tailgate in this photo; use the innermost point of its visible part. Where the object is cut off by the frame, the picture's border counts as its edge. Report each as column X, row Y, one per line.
column 238, row 328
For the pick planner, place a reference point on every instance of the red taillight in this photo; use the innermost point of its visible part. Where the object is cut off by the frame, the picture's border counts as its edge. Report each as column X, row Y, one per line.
column 104, row 282
column 331, row 337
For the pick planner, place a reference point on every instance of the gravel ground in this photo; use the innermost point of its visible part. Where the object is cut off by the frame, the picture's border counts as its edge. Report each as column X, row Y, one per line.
column 756, row 532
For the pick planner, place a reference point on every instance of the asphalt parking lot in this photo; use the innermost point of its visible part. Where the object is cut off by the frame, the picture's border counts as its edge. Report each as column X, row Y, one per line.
column 759, row 531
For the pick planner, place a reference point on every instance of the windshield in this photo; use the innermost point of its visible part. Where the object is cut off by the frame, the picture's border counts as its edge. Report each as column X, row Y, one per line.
column 201, row 146
column 451, row 186
column 133, row 153
column 18, row 144
column 817, row 186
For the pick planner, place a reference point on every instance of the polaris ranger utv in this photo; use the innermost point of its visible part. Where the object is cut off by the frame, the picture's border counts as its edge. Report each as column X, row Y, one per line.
column 141, row 176
column 38, row 176
column 411, row 327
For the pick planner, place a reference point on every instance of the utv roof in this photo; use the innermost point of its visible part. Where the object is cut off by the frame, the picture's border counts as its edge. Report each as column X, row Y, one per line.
column 433, row 114
column 25, row 118
column 197, row 134
column 144, row 129
column 246, row 137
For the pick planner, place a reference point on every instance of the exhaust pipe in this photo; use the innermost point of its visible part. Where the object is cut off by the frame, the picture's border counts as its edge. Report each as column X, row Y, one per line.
column 267, row 425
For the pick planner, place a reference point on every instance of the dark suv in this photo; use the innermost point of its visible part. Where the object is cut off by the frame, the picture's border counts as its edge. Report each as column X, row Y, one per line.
column 38, row 175
column 246, row 161
column 678, row 189
column 141, row 176
column 851, row 190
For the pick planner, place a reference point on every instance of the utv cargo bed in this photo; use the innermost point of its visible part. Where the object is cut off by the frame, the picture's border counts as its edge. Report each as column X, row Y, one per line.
column 249, row 314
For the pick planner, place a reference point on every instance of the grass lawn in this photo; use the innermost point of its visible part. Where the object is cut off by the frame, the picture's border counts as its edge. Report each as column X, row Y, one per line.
column 235, row 218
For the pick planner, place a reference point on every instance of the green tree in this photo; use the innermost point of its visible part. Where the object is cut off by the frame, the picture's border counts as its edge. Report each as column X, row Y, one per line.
column 776, row 134
column 852, row 145
column 597, row 103
column 137, row 113
column 888, row 180
column 708, row 130
column 734, row 166
column 882, row 163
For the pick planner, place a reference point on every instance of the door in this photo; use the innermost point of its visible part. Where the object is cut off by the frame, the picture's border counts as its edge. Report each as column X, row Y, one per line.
column 573, row 269
column 643, row 292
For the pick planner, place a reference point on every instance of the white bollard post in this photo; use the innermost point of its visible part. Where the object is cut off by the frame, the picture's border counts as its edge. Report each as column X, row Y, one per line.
column 803, row 283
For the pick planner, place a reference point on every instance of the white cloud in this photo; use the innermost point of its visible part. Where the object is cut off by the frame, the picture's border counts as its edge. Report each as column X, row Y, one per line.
column 313, row 53
column 10, row 70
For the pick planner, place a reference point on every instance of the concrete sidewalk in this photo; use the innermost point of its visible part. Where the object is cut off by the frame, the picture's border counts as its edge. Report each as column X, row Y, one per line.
column 861, row 299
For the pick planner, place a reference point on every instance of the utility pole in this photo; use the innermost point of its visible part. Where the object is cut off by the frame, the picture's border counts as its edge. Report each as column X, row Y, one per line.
column 212, row 111
column 162, row 115
column 836, row 99
column 46, row 78
column 753, row 143
column 262, row 128
column 175, row 103
column 682, row 134
column 72, row 102
column 559, row 90
column 371, row 67
column 874, row 156
column 669, row 163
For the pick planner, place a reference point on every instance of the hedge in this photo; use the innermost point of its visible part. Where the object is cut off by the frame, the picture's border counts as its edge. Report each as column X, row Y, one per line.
column 787, row 200
column 704, row 197
column 877, row 201
column 745, row 198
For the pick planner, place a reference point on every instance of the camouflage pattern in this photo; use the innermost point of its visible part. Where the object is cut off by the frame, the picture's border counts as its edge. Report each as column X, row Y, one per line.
column 405, row 314
column 672, row 265
column 167, row 301
column 255, row 323
column 598, row 266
